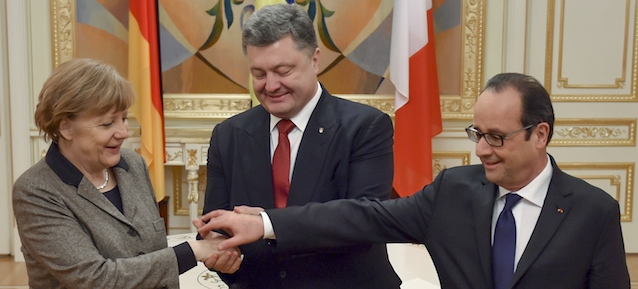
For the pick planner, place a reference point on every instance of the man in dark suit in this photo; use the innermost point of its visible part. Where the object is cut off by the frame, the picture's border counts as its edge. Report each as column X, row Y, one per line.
column 565, row 233
column 338, row 149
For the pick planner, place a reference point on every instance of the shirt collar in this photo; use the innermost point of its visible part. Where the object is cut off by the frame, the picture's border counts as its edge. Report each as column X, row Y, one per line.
column 536, row 191
column 67, row 172
column 303, row 117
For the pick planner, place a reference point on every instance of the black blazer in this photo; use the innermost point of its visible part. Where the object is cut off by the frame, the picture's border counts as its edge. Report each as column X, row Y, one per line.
column 577, row 241
column 345, row 152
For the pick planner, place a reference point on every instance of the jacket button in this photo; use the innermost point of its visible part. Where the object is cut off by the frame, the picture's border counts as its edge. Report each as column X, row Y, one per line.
column 132, row 232
column 282, row 274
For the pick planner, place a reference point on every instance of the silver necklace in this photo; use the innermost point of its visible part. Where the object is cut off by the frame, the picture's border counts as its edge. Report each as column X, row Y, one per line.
column 106, row 182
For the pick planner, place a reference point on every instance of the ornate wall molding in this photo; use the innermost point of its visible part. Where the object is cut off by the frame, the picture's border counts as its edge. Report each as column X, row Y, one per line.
column 620, row 178
column 444, row 160
column 594, row 132
column 563, row 80
column 609, row 93
column 472, row 62
column 62, row 30
column 215, row 106
column 178, row 208
column 222, row 106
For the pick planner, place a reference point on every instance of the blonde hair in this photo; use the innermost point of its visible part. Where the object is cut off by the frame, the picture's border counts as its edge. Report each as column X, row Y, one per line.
column 80, row 87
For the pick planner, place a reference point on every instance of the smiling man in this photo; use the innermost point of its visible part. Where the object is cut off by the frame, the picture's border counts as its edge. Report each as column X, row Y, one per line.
column 516, row 221
column 300, row 145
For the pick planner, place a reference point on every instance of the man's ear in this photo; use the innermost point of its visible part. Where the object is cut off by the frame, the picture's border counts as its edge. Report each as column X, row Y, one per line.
column 315, row 60
column 542, row 131
column 66, row 129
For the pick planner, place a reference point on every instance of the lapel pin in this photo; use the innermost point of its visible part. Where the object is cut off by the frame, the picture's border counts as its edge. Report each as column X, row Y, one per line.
column 560, row 210
column 321, row 130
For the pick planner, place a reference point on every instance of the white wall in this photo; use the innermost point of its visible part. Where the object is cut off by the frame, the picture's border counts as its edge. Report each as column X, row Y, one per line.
column 28, row 39
column 6, row 215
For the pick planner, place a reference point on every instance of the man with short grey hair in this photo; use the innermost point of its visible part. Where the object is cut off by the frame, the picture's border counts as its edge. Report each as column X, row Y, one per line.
column 300, row 145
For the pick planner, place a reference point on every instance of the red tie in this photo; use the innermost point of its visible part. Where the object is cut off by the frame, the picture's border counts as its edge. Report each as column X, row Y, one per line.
column 281, row 164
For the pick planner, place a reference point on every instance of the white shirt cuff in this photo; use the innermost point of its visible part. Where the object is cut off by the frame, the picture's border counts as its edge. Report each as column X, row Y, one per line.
column 269, row 232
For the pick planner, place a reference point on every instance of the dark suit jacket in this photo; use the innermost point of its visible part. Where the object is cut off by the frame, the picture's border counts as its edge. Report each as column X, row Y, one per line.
column 74, row 237
column 350, row 157
column 577, row 241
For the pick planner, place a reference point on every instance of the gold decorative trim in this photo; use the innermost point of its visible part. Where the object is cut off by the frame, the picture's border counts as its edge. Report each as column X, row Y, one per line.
column 450, row 106
column 177, row 192
column 385, row 105
column 549, row 54
column 437, row 166
column 178, row 209
column 594, row 132
column 202, row 178
column 614, row 180
column 382, row 102
column 192, row 158
column 218, row 106
column 563, row 81
column 170, row 158
column 462, row 106
column 62, row 30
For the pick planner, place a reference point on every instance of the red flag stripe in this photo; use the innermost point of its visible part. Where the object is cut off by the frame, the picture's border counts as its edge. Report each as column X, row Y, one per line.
column 146, row 14
column 418, row 121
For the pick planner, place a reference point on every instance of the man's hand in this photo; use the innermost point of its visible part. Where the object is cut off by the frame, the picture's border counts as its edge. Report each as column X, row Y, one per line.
column 227, row 261
column 244, row 228
column 248, row 210
column 206, row 250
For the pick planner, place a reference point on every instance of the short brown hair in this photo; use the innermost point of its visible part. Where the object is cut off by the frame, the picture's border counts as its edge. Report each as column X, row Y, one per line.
column 80, row 87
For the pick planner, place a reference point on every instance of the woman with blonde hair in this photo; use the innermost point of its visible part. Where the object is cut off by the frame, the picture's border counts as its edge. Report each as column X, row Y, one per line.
column 86, row 213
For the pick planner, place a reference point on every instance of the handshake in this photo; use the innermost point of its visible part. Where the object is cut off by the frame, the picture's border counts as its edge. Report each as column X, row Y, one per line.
column 219, row 252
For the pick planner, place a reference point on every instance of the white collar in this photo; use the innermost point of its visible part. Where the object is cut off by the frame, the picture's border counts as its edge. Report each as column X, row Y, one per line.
column 536, row 191
column 303, row 117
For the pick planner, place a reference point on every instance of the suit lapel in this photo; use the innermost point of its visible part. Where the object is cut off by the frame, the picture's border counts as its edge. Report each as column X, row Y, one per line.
column 554, row 211
column 320, row 131
column 91, row 194
column 483, row 207
column 254, row 144
column 129, row 192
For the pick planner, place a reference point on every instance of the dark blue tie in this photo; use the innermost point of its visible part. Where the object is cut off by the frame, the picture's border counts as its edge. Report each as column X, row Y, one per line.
column 504, row 246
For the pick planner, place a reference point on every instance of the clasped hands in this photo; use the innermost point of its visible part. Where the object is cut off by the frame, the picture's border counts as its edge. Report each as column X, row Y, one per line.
column 218, row 252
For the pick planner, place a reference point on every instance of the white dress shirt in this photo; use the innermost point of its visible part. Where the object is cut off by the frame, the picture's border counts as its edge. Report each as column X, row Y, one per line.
column 527, row 210
column 294, row 136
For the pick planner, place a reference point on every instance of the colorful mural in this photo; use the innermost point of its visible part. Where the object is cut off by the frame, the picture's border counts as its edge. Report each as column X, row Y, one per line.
column 201, row 51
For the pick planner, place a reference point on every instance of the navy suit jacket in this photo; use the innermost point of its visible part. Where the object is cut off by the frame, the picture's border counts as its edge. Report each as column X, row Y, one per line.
column 345, row 152
column 576, row 244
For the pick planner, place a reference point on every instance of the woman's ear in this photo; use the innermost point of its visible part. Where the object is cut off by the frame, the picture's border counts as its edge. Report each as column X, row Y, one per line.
column 66, row 129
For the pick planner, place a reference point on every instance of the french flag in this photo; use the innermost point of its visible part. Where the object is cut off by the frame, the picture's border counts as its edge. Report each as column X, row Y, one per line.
column 417, row 109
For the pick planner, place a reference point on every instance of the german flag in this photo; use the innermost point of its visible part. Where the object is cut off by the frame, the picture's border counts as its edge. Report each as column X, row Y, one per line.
column 145, row 76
